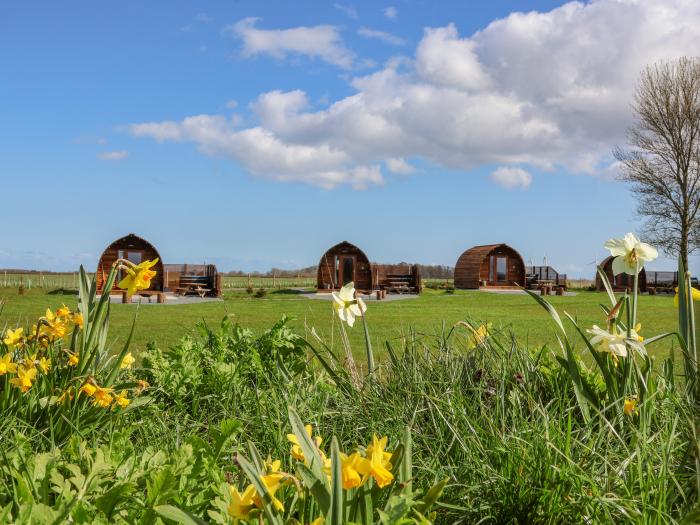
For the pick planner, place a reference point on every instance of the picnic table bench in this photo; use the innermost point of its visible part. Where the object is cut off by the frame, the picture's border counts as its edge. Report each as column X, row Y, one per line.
column 193, row 285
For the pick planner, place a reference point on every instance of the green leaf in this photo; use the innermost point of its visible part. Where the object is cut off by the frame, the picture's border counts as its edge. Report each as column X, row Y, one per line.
column 110, row 499
column 606, row 284
column 308, row 447
column 268, row 507
column 318, row 488
column 431, row 496
column 177, row 515
column 337, row 503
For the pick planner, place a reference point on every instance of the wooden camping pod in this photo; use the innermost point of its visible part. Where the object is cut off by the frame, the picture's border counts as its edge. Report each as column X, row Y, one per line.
column 136, row 250
column 341, row 264
column 620, row 282
column 492, row 265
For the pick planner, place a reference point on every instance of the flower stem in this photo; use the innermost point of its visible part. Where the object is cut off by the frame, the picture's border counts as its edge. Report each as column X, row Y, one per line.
column 368, row 346
column 634, row 296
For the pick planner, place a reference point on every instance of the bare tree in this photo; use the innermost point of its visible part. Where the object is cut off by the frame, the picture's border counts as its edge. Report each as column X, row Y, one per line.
column 662, row 162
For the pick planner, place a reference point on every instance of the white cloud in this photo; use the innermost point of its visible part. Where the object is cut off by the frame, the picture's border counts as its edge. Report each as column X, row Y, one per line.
column 511, row 178
column 538, row 90
column 381, row 35
column 232, row 104
column 203, row 18
column 443, row 58
column 400, row 166
column 112, row 155
column 348, row 10
column 322, row 41
column 391, row 12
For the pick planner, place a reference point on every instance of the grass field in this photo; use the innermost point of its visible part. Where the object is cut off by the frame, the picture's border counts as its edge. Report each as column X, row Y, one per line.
column 388, row 320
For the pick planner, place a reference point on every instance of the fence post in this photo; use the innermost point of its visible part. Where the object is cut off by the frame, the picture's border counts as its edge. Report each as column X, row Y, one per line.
column 273, row 279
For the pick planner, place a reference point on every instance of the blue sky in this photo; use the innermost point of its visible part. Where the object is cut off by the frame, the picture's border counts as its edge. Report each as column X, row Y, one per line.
column 257, row 134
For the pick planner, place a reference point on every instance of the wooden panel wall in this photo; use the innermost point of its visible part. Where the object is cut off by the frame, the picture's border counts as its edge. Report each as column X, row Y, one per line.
column 130, row 242
column 325, row 277
column 473, row 267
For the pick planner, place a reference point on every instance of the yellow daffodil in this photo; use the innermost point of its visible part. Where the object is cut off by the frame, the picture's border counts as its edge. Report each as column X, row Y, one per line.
column 50, row 316
column 25, row 376
column 77, row 319
column 347, row 305
column 317, row 521
column 296, row 449
column 44, row 365
column 6, row 365
column 63, row 311
column 127, row 361
column 55, row 329
column 694, row 292
column 377, row 463
column 73, row 359
column 14, row 337
column 121, row 400
column 351, row 467
column 241, row 504
column 139, row 277
column 478, row 335
column 102, row 396
column 630, row 254
column 88, row 389
column 630, row 406
column 272, row 483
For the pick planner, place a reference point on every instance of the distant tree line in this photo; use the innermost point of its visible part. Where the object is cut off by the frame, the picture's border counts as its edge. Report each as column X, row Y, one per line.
column 429, row 271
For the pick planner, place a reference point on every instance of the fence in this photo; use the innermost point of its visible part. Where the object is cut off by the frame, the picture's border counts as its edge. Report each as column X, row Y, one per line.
column 49, row 281
column 229, row 282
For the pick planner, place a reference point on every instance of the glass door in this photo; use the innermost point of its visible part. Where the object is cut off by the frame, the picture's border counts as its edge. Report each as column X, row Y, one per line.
column 347, row 270
column 498, row 269
column 501, row 269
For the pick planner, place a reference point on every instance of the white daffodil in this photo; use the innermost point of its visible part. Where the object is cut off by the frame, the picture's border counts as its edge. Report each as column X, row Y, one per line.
column 630, row 254
column 609, row 342
column 347, row 306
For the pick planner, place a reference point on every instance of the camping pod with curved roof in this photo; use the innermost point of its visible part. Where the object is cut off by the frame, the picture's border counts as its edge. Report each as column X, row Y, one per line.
column 135, row 249
column 491, row 265
column 619, row 282
column 342, row 264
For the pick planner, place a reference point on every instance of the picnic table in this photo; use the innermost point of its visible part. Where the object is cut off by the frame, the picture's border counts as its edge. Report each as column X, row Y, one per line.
column 192, row 289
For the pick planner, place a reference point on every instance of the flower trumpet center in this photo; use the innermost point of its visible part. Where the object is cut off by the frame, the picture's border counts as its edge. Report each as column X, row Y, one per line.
column 632, row 257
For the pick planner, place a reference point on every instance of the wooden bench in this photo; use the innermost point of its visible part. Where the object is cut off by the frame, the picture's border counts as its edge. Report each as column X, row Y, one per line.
column 193, row 285
column 192, row 289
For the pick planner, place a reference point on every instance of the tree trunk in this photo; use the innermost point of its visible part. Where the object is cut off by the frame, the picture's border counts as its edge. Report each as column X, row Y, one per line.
column 683, row 248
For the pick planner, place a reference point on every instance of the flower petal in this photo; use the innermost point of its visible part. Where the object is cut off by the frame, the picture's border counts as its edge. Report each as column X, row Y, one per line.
column 620, row 266
column 616, row 246
column 646, row 252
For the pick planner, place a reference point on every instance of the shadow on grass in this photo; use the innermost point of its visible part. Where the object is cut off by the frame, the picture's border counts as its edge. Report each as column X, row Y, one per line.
column 63, row 291
column 287, row 291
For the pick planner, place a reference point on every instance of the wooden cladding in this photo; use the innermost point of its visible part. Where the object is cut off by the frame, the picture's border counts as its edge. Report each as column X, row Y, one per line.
column 345, row 262
column 620, row 282
column 342, row 264
column 492, row 265
column 136, row 250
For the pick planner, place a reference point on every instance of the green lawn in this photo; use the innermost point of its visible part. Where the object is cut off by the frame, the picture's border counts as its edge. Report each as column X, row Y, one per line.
column 165, row 324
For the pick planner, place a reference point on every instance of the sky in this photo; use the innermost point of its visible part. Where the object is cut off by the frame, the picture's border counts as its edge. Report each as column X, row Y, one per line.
column 257, row 134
